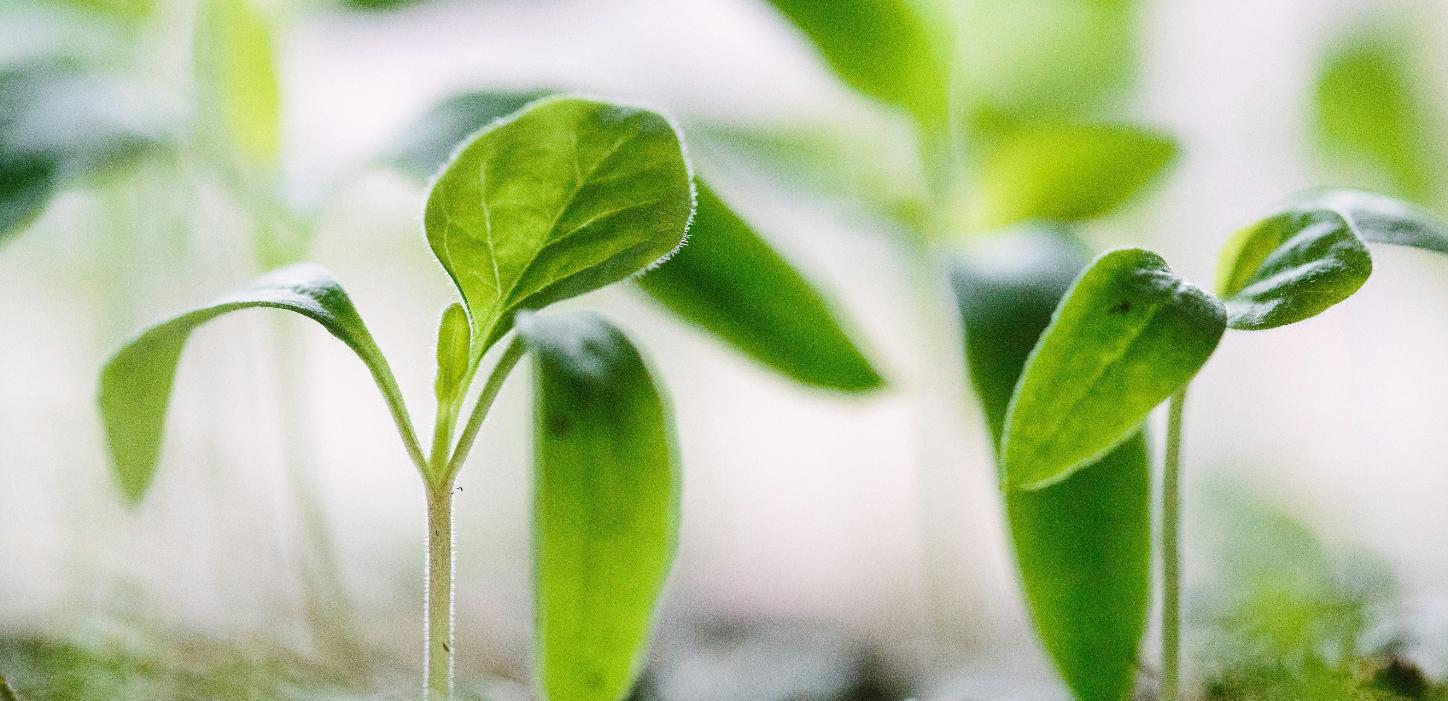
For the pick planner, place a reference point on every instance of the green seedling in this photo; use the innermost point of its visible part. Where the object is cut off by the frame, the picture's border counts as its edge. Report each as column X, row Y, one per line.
column 1130, row 333
column 564, row 197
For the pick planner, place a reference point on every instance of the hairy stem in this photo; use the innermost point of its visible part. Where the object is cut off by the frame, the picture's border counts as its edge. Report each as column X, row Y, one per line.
column 437, row 631
column 1171, row 573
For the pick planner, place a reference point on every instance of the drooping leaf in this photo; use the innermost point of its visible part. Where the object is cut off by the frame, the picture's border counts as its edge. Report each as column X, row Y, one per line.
column 1066, row 172
column 565, row 197
column 606, row 505
column 1083, row 545
column 57, row 125
column 729, row 281
column 238, row 97
column 135, row 384
column 1128, row 334
column 428, row 143
column 885, row 49
column 1370, row 113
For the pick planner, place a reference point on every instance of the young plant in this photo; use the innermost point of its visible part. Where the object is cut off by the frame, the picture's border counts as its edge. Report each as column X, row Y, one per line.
column 1130, row 333
column 566, row 196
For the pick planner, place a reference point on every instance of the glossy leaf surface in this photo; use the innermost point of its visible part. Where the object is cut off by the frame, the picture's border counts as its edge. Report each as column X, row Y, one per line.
column 1128, row 334
column 565, row 197
column 135, row 384
column 1082, row 546
column 606, row 505
column 1380, row 219
column 238, row 93
column 1066, row 172
column 882, row 48
column 729, row 281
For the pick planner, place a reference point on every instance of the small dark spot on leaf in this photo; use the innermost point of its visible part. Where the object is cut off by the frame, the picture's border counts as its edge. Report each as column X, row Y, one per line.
column 558, row 424
column 447, row 647
column 1122, row 308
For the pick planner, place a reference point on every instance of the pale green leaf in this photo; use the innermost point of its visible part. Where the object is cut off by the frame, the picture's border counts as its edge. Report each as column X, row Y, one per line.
column 135, row 384
column 606, row 505
column 1128, row 334
column 729, row 281
column 454, row 346
column 885, row 49
column 431, row 139
column 237, row 93
column 1371, row 114
column 1082, row 546
column 1066, row 172
column 565, row 197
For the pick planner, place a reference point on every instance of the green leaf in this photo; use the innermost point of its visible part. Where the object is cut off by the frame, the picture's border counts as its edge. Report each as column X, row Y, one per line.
column 606, row 505
column 1369, row 111
column 1291, row 266
column 883, row 48
column 564, row 197
column 1066, row 172
column 238, row 97
column 454, row 345
column 57, row 125
column 135, row 384
column 431, row 139
column 1380, row 219
column 1083, row 545
column 730, row 282
column 1128, row 334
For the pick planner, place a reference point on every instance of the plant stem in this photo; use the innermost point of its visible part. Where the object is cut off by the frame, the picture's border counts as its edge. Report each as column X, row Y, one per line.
column 437, row 631
column 1171, row 551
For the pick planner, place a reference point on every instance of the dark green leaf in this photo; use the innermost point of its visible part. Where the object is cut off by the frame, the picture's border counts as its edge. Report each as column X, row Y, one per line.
column 430, row 141
column 1379, row 219
column 1291, row 266
column 1066, row 172
column 1128, row 334
column 238, row 96
column 606, row 505
column 1370, row 112
column 135, row 384
column 57, row 125
column 565, row 197
column 882, row 48
column 730, row 282
column 1083, row 546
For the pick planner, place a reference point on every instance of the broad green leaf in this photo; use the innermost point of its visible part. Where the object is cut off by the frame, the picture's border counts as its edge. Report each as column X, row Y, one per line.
column 1083, row 545
column 1291, row 266
column 135, row 384
column 606, row 505
column 729, row 281
column 885, row 49
column 1066, row 172
column 59, row 125
column 1370, row 112
column 1128, row 334
column 1380, row 219
column 237, row 92
column 564, row 197
column 428, row 143
column 1045, row 59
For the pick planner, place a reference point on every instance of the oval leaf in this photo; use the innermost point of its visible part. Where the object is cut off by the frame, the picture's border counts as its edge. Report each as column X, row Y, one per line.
column 135, row 384
column 606, row 505
column 565, row 197
column 1067, row 172
column 1292, row 266
column 729, row 281
column 882, row 48
column 1082, row 546
column 238, row 93
column 1128, row 334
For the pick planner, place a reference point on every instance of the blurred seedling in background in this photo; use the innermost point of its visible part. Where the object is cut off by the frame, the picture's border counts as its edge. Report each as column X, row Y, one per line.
column 566, row 196
column 1129, row 334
